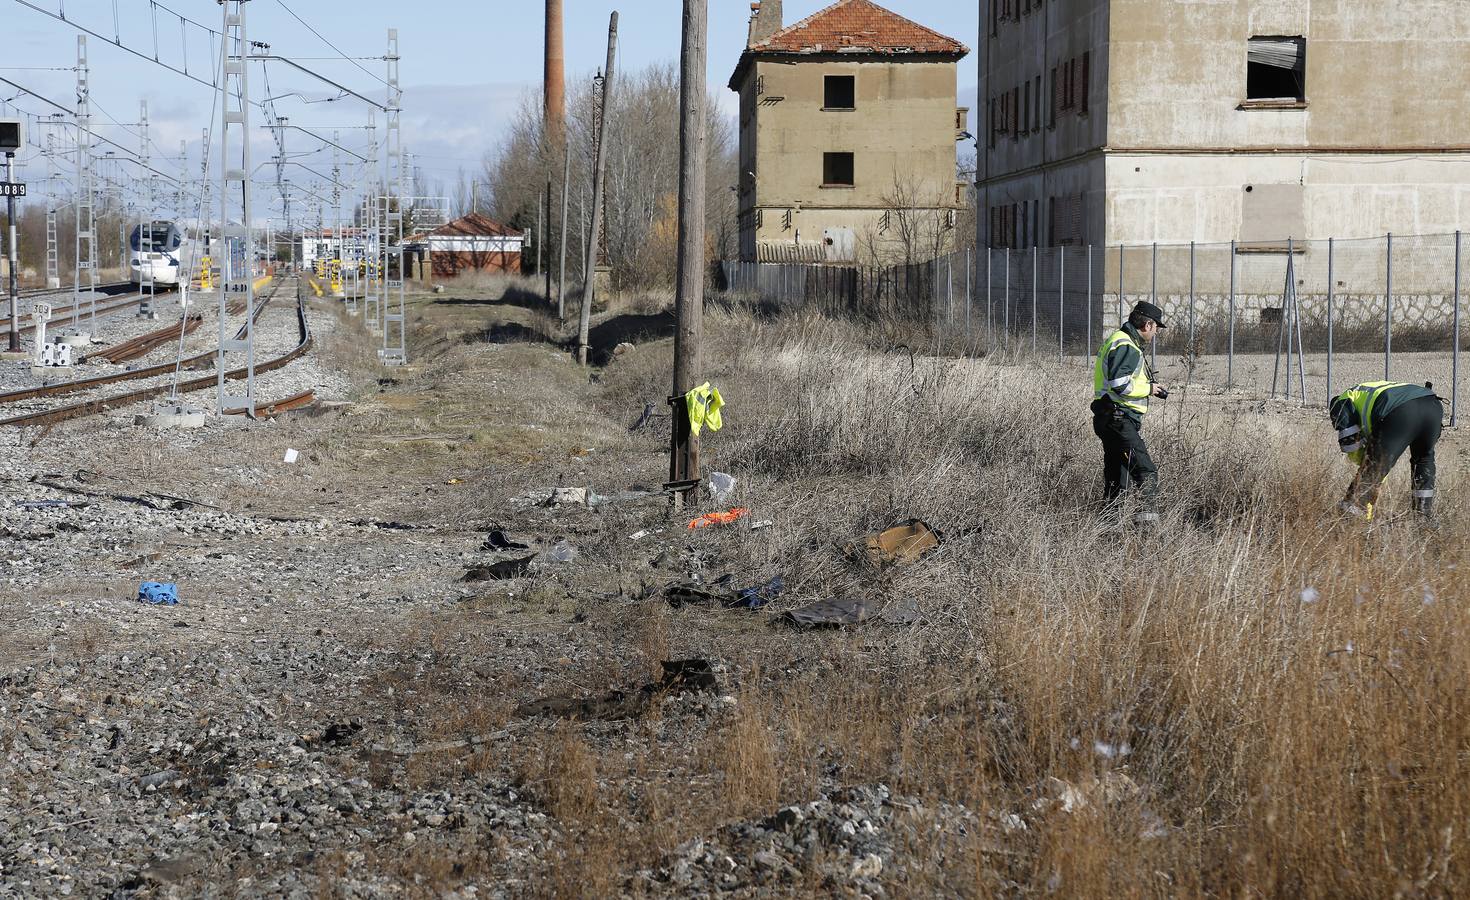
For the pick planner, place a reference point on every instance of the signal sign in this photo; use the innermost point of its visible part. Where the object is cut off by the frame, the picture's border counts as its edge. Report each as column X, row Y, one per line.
column 12, row 189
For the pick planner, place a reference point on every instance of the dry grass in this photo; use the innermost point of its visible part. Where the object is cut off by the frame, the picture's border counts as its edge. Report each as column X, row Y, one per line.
column 1284, row 693
column 1290, row 742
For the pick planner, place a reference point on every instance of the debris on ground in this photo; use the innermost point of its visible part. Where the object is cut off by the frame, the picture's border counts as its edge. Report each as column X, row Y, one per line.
column 503, row 570
column 562, row 552
column 159, row 593
column 902, row 544
column 292, row 455
column 499, row 540
column 860, row 611
column 727, row 517
column 679, row 676
column 756, row 596
column 567, row 496
column 694, row 593
column 720, row 486
column 847, row 838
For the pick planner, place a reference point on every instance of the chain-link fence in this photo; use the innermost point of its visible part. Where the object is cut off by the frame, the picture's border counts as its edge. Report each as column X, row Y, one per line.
column 1298, row 320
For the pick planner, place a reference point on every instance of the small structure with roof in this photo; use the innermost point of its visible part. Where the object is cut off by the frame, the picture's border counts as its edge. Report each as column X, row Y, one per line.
column 471, row 243
column 848, row 125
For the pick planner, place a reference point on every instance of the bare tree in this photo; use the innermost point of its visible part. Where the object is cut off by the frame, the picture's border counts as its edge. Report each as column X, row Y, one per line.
column 919, row 223
column 642, row 174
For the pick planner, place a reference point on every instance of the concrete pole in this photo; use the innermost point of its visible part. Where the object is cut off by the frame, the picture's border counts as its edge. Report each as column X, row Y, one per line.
column 598, row 170
column 689, row 288
column 547, row 233
column 561, row 278
column 14, row 258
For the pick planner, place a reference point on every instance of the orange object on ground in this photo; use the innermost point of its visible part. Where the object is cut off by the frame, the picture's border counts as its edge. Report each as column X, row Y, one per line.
column 719, row 518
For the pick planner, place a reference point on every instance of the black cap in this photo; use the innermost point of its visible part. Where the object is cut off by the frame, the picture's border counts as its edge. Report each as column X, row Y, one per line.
column 1148, row 310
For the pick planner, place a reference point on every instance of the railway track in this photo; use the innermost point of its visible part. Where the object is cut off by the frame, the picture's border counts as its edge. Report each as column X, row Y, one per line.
column 61, row 315
column 110, row 287
column 143, row 344
column 102, row 404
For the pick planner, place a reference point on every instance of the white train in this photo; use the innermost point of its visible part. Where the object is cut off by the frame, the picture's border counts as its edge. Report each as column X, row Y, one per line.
column 158, row 252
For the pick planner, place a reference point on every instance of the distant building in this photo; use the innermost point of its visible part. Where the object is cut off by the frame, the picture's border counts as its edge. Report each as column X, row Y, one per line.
column 1139, row 121
column 472, row 243
column 848, row 124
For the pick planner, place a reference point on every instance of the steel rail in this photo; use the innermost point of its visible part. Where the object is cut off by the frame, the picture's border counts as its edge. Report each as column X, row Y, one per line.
column 143, row 344
column 286, row 404
column 57, row 314
column 86, row 384
column 102, row 404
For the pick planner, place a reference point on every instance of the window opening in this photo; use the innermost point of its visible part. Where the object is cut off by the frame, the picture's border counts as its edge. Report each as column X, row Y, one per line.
column 1276, row 69
column 837, row 170
column 840, row 93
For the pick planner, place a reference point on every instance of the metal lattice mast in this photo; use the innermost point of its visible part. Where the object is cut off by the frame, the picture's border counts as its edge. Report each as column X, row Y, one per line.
column 372, row 300
column 146, row 286
column 341, row 254
column 206, row 197
column 395, row 320
column 53, row 181
column 180, row 195
column 86, row 234
column 235, row 253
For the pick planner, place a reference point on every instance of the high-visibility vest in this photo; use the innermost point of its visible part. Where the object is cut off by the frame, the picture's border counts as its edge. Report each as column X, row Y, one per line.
column 1129, row 391
column 1364, row 397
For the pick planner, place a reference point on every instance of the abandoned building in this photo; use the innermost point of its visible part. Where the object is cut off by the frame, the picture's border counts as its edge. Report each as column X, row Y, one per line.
column 1111, row 122
column 470, row 243
column 848, row 126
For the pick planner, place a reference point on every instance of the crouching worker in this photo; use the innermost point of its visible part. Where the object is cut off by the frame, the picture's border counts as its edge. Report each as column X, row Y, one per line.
column 1122, row 384
column 1376, row 422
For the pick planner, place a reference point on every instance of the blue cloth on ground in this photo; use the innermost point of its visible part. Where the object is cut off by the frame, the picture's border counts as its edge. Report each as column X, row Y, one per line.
column 759, row 595
column 159, row 593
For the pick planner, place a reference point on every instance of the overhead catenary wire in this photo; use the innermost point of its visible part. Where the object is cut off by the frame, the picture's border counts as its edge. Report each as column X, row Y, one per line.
column 319, row 35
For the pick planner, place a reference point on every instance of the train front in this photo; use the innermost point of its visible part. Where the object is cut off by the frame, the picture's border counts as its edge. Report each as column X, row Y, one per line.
column 154, row 256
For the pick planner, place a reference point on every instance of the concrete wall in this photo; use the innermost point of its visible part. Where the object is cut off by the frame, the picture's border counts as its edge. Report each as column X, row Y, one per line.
column 902, row 134
column 1379, row 75
column 1057, row 157
column 1380, row 144
column 1178, row 198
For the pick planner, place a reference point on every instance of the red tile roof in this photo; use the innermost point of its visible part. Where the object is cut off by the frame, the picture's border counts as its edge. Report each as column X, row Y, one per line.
column 859, row 26
column 474, row 225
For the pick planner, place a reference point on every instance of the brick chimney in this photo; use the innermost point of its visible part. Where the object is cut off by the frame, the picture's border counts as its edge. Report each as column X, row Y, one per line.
column 765, row 20
column 554, row 83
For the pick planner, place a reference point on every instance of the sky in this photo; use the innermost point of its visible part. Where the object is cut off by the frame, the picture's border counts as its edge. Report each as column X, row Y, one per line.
column 466, row 66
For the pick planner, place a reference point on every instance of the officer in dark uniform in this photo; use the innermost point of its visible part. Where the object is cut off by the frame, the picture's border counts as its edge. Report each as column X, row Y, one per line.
column 1122, row 384
column 1376, row 422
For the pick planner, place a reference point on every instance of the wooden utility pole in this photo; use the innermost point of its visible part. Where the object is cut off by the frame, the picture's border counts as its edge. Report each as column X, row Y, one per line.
column 540, row 229
column 561, row 277
column 598, row 168
column 548, row 234
column 689, row 291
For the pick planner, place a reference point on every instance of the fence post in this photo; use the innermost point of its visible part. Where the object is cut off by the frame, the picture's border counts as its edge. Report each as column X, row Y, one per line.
column 1190, row 350
column 1061, row 303
column 1455, row 344
column 1007, row 321
column 1331, row 285
column 1120, row 285
column 1230, row 345
column 1388, row 310
column 1035, row 289
column 969, row 263
column 989, row 302
column 1153, row 345
column 1089, row 300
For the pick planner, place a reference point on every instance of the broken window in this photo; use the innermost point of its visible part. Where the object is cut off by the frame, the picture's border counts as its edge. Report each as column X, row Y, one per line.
column 837, row 170
column 1276, row 69
column 841, row 92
